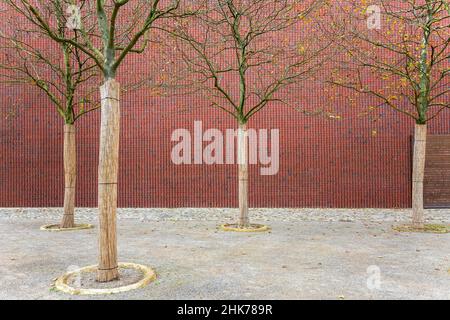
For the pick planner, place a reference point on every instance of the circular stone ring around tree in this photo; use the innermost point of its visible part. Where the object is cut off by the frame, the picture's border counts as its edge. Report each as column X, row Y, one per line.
column 63, row 283
column 428, row 228
column 251, row 228
column 57, row 228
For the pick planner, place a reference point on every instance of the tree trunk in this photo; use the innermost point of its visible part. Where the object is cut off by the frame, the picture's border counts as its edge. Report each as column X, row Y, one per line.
column 107, row 180
column 244, row 221
column 420, row 142
column 70, row 176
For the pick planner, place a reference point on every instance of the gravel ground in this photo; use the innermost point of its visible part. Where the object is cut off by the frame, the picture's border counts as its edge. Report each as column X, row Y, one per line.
column 310, row 254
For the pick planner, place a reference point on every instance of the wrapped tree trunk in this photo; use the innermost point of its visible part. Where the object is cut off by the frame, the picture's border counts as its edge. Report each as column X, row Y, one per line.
column 107, row 180
column 420, row 142
column 244, row 221
column 70, row 176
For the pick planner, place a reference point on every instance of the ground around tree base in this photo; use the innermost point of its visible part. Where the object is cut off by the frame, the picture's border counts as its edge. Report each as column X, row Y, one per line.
column 57, row 227
column 323, row 254
column 83, row 281
column 428, row 228
column 234, row 227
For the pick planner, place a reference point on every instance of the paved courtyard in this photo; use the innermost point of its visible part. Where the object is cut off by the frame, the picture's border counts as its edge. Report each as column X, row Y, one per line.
column 309, row 254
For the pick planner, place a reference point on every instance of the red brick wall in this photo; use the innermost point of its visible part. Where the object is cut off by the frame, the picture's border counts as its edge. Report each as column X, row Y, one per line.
column 324, row 163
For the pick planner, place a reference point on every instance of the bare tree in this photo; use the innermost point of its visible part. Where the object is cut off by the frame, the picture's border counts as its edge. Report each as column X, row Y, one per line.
column 406, row 45
column 59, row 72
column 242, row 54
column 122, row 27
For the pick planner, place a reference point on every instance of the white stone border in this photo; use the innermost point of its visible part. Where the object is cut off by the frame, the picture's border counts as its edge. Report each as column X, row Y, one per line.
column 61, row 282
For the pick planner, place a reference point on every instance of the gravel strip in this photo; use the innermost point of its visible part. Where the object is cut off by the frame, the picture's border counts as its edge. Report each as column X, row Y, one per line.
column 224, row 214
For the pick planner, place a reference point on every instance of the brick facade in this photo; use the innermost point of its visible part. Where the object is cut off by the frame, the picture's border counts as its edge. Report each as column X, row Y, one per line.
column 324, row 162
